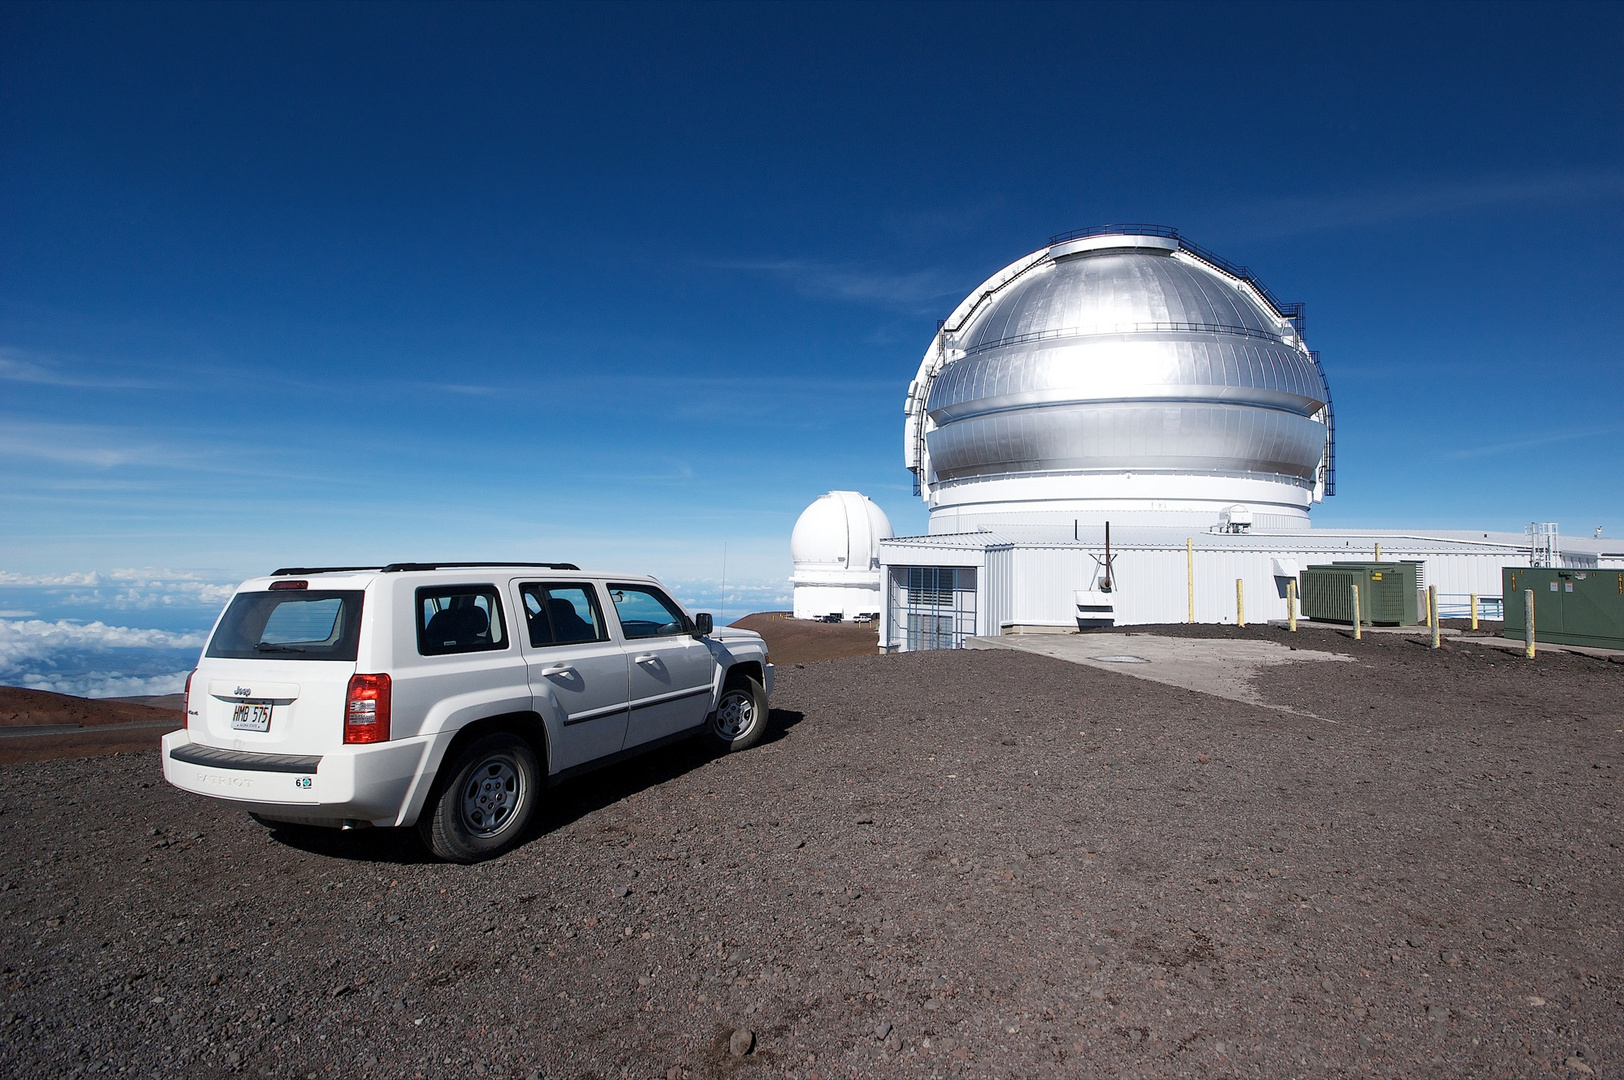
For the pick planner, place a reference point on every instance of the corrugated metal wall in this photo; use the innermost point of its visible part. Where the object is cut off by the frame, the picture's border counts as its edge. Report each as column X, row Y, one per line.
column 1045, row 579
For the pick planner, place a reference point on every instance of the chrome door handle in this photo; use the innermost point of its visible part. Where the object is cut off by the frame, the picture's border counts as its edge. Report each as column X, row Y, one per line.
column 647, row 658
column 557, row 669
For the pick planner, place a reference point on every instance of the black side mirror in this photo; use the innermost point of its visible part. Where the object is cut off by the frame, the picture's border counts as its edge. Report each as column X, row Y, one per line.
column 702, row 624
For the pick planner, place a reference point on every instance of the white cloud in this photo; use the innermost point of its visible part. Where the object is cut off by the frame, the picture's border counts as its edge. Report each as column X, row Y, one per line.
column 740, row 598
column 23, row 635
column 106, row 686
column 87, row 578
column 131, row 589
column 94, row 659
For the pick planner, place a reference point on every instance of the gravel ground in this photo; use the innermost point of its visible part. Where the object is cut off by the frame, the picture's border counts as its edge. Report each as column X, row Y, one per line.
column 941, row 864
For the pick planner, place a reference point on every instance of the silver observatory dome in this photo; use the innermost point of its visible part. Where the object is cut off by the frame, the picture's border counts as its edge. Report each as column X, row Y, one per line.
column 1120, row 373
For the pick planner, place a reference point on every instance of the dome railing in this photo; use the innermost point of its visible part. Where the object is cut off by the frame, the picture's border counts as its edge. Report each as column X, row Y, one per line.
column 1292, row 313
column 1330, row 426
column 1127, row 328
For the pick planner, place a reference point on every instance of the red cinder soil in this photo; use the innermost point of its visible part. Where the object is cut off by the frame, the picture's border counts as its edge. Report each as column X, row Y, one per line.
column 106, row 726
column 36, row 708
column 801, row 641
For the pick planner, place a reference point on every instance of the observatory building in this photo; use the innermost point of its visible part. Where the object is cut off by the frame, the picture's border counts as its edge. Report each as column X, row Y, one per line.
column 1124, row 377
column 1124, row 424
column 836, row 548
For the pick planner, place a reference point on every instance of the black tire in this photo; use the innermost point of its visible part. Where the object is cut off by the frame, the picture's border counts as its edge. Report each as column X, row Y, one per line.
column 485, row 802
column 740, row 719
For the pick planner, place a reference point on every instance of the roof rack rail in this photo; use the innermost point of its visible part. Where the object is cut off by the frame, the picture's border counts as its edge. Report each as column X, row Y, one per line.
column 395, row 568
column 289, row 571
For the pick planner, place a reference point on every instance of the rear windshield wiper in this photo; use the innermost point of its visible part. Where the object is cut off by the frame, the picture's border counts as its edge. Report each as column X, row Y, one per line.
column 263, row 647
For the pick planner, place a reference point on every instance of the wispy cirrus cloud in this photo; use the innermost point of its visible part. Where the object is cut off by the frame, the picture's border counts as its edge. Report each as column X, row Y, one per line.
column 460, row 389
column 912, row 291
column 77, row 444
column 1510, row 446
column 108, row 447
column 1415, row 202
column 17, row 367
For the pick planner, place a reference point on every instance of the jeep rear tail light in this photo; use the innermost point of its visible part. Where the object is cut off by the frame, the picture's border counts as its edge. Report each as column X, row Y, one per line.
column 366, row 709
column 186, row 699
column 279, row 585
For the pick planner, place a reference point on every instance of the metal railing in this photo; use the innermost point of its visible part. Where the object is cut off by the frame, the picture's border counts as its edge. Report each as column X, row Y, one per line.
column 1126, row 328
column 1291, row 312
column 1459, row 606
column 1330, row 426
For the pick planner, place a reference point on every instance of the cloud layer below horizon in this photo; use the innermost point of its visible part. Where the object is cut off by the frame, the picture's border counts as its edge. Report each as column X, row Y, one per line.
column 94, row 659
column 64, row 632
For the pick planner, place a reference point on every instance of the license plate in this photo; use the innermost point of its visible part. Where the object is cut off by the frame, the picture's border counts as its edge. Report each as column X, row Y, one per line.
column 251, row 716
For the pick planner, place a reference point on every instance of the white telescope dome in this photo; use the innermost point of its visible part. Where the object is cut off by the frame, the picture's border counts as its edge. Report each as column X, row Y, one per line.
column 841, row 529
column 836, row 549
column 1122, row 373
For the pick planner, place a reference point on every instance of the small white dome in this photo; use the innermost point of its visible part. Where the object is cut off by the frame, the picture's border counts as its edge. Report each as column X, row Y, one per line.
column 840, row 531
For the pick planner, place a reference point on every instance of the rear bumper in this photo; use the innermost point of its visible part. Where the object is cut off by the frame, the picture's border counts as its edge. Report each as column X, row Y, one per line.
column 352, row 784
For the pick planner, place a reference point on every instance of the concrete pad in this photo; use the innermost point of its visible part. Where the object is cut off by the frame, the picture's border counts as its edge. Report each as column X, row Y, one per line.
column 1516, row 645
column 1218, row 666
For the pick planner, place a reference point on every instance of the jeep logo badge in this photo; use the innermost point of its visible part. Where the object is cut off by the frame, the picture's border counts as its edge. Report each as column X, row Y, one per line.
column 243, row 691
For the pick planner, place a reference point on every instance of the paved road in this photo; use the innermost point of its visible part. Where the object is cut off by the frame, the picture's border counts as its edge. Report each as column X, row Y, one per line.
column 37, row 730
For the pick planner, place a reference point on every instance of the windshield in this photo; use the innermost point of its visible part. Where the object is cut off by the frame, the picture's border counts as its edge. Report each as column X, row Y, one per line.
column 289, row 625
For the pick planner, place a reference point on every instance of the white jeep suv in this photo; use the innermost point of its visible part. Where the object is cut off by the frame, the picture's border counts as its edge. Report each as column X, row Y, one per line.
column 447, row 695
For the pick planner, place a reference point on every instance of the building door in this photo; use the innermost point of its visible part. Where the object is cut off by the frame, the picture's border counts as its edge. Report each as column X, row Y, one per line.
column 936, row 607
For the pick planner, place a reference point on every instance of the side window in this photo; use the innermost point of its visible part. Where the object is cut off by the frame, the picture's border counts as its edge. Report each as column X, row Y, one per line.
column 459, row 619
column 646, row 612
column 562, row 614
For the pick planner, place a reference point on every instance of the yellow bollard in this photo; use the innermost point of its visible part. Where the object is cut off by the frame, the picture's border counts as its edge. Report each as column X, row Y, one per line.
column 1189, row 574
column 1528, row 624
column 1240, row 602
column 1291, row 605
column 1474, row 611
column 1432, row 609
column 1358, row 635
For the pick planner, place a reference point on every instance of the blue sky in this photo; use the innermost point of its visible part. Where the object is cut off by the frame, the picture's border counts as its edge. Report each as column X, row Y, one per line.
column 624, row 284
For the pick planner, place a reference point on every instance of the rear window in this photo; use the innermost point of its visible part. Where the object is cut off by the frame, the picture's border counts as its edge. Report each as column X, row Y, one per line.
column 295, row 624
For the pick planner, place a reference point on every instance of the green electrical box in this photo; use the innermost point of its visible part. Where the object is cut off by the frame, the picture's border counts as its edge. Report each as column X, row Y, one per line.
column 1571, row 607
column 1387, row 592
